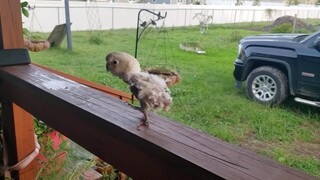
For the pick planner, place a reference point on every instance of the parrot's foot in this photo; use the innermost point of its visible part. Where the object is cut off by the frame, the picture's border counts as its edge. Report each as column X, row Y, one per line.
column 142, row 123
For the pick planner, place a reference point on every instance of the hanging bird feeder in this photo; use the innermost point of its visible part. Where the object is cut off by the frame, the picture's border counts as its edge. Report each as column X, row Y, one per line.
column 170, row 76
column 35, row 45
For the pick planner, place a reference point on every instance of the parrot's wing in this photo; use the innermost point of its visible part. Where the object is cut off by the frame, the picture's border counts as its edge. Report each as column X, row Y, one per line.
column 151, row 90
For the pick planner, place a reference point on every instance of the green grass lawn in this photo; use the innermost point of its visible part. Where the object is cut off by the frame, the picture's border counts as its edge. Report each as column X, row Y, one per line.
column 206, row 98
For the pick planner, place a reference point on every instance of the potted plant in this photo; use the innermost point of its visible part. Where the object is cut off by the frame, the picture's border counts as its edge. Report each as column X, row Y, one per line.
column 53, row 151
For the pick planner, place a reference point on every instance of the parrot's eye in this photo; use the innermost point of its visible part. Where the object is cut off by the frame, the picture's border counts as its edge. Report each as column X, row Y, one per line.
column 115, row 62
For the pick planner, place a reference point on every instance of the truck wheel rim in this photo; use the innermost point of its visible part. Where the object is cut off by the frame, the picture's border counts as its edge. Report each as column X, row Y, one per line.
column 264, row 88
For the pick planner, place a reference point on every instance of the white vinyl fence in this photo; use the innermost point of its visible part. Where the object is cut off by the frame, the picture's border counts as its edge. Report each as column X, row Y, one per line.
column 103, row 16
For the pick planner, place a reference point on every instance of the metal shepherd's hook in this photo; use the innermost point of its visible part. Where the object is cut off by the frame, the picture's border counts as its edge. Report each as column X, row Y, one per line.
column 145, row 24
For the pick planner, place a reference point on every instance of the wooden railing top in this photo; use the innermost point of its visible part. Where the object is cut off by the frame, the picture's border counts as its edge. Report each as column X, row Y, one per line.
column 113, row 92
column 106, row 126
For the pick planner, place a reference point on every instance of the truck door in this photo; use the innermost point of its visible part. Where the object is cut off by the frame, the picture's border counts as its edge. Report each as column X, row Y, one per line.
column 308, row 70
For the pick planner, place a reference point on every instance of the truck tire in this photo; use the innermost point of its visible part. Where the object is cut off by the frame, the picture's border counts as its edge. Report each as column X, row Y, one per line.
column 267, row 85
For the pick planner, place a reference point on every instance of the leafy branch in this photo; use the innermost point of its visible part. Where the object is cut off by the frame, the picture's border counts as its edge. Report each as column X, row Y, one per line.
column 203, row 21
column 24, row 8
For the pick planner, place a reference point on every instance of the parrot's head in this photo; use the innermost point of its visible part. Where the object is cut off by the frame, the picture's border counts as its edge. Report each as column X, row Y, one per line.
column 121, row 64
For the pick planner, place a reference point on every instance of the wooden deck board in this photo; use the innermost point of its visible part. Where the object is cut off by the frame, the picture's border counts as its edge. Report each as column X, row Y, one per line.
column 116, row 93
column 106, row 126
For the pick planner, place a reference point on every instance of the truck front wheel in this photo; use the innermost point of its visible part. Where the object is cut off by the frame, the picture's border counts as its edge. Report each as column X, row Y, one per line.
column 267, row 85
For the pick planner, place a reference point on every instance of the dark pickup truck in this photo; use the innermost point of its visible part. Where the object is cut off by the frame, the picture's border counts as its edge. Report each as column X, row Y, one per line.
column 276, row 65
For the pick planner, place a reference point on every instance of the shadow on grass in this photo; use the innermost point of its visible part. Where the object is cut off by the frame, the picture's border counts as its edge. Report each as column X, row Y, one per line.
column 302, row 109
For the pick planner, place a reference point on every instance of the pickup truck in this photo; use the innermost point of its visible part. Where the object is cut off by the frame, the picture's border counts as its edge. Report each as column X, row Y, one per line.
column 275, row 66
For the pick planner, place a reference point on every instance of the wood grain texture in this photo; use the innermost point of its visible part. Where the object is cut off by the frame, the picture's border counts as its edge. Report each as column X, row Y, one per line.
column 11, row 24
column 9, row 132
column 17, row 123
column 113, row 92
column 106, row 126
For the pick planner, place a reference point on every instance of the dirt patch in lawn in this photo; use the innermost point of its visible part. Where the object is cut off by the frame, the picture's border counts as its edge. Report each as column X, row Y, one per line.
column 290, row 20
column 306, row 149
column 296, row 148
column 299, row 24
column 249, row 142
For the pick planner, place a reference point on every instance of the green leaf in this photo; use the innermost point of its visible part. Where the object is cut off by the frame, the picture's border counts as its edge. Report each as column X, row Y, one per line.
column 25, row 12
column 24, row 4
column 281, row 159
column 25, row 31
column 39, row 132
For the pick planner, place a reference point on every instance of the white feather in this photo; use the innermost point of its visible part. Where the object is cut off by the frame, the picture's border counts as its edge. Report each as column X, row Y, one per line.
column 151, row 89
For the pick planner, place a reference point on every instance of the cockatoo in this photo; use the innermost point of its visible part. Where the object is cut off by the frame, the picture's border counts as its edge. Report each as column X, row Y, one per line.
column 151, row 90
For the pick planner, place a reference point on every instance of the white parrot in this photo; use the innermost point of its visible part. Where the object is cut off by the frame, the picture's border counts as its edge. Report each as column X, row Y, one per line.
column 151, row 90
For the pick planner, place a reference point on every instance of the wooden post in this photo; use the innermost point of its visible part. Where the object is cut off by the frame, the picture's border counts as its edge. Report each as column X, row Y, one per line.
column 17, row 123
column 294, row 23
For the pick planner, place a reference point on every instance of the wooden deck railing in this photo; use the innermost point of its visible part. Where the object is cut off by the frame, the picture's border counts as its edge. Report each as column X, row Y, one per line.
column 106, row 126
column 113, row 92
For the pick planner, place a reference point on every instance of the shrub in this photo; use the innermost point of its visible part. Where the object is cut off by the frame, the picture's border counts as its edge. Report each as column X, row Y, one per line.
column 268, row 13
column 95, row 39
column 235, row 36
column 283, row 28
column 203, row 21
column 239, row 2
column 293, row 2
column 256, row 3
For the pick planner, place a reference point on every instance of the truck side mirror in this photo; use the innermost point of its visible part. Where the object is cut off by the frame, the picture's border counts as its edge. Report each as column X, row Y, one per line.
column 316, row 43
